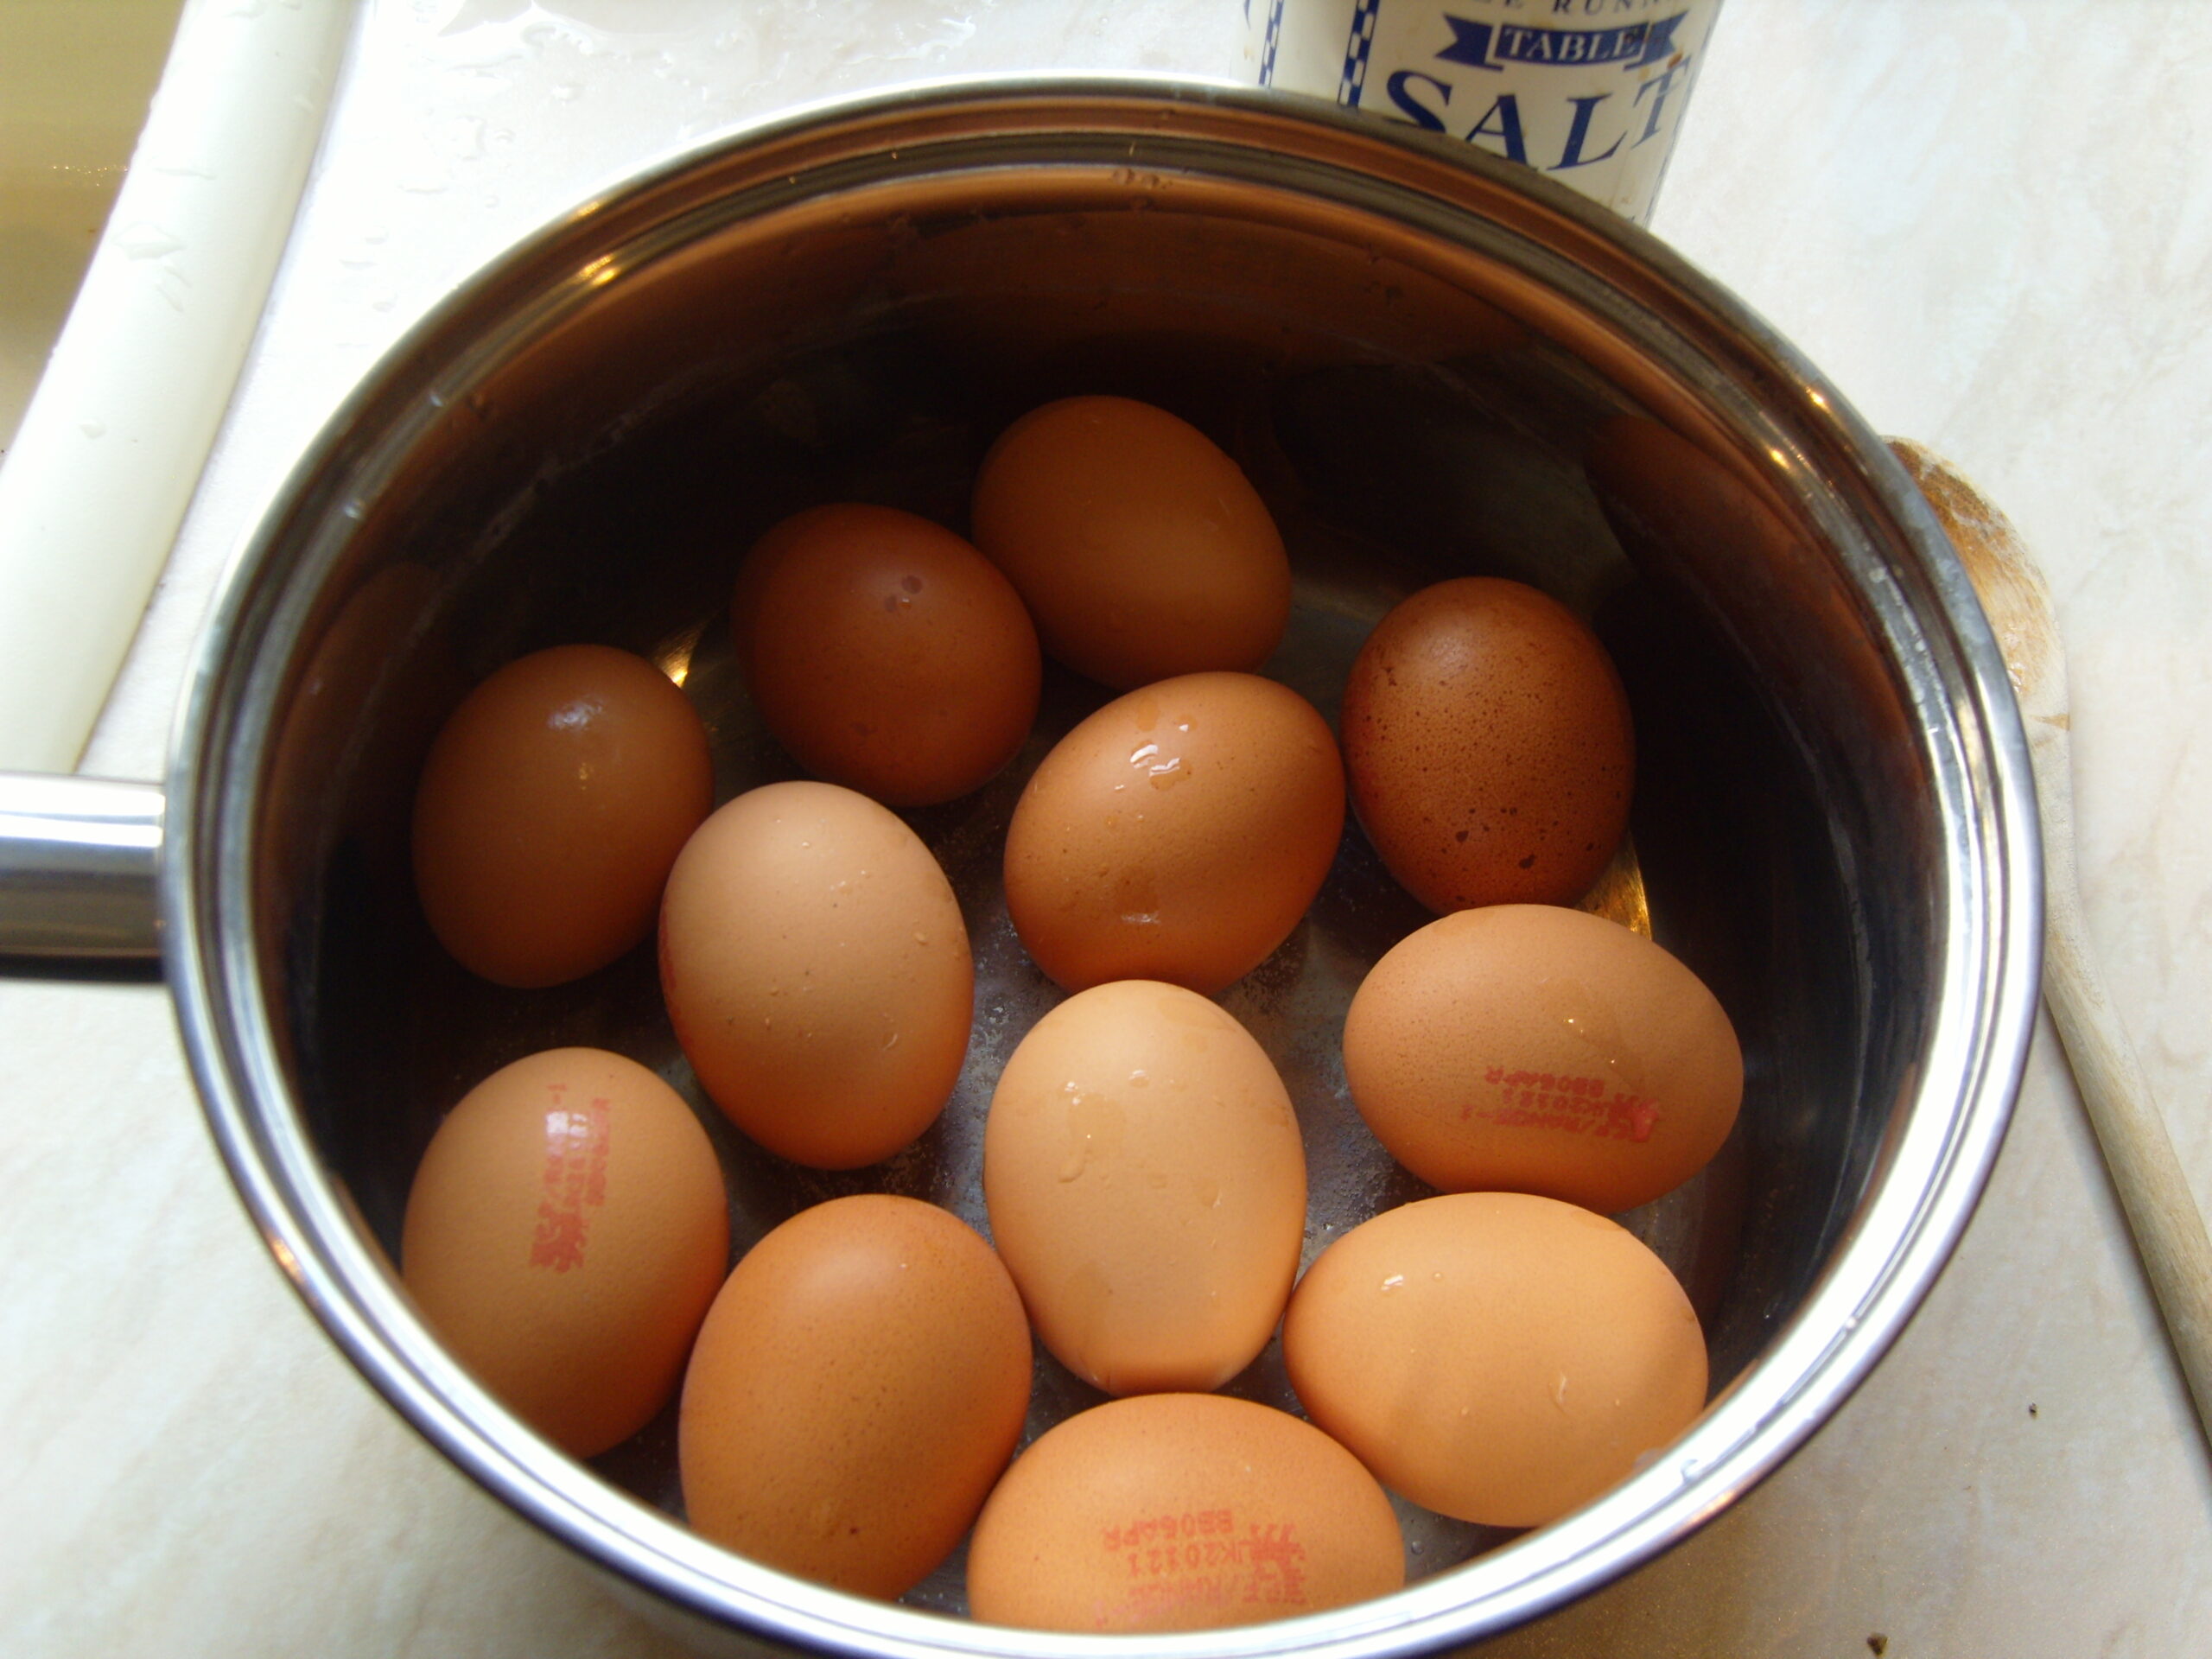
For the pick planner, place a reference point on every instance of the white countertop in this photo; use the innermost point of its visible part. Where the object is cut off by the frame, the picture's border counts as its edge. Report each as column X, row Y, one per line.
column 1988, row 221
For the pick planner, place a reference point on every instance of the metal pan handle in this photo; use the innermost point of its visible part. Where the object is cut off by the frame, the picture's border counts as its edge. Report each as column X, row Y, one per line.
column 78, row 862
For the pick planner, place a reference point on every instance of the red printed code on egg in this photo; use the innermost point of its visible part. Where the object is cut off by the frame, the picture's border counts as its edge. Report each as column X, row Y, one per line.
column 1149, row 1530
column 575, row 1183
column 1203, row 1557
column 1523, row 1099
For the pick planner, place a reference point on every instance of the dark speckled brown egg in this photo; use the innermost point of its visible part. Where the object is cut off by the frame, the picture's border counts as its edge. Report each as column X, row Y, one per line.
column 1488, row 746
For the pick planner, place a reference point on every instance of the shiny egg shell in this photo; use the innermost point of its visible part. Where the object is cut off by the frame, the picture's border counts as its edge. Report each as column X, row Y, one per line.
column 1495, row 1357
column 1540, row 1050
column 548, row 812
column 858, row 1387
column 565, row 1234
column 1178, row 833
column 1180, row 1512
column 1146, row 1187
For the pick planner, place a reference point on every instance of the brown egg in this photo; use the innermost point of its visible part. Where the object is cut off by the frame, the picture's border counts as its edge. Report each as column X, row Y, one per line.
column 1496, row 1357
column 885, row 652
column 1488, row 741
column 1180, row 1512
column 566, row 1230
column 1180, row 832
column 552, row 804
column 816, row 971
column 1138, row 546
column 1540, row 1050
column 1146, row 1187
column 858, row 1386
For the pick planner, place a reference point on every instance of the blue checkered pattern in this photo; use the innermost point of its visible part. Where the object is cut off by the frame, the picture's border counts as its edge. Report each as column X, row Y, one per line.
column 1358, row 45
column 1274, row 40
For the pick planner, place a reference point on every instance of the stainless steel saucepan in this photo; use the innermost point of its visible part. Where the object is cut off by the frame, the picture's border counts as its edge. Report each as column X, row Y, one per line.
column 1430, row 363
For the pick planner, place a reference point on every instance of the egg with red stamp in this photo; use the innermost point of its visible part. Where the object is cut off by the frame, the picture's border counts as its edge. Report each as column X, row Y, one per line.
column 1489, row 745
column 1180, row 1512
column 885, row 652
column 1139, row 547
column 565, row 1234
column 1535, row 1049
column 550, row 809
